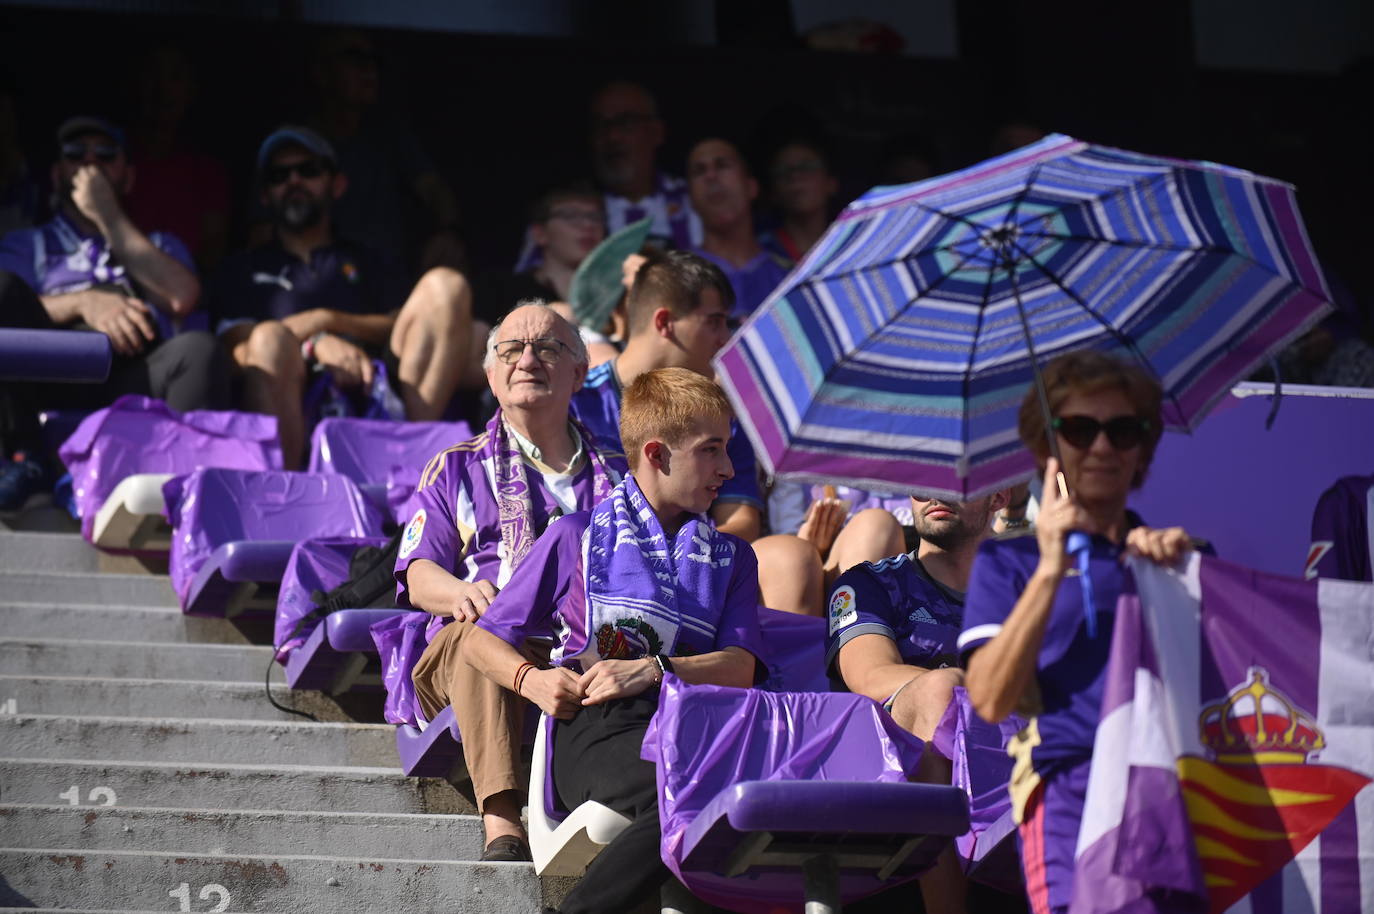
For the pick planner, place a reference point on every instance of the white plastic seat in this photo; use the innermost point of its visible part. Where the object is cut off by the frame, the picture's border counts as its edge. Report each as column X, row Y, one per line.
column 131, row 517
column 567, row 847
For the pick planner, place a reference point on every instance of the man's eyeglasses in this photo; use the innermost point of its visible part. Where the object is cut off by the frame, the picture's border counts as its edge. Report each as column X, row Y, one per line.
column 280, row 174
column 77, row 152
column 547, row 350
column 1124, row 432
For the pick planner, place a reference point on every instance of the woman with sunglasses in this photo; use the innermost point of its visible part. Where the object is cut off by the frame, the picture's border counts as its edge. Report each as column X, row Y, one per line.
column 1027, row 642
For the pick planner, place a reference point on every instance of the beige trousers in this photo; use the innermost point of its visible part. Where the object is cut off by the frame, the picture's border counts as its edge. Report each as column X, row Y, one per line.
column 490, row 718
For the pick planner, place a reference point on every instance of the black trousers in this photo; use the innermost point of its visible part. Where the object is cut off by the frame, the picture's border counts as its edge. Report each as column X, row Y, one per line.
column 189, row 371
column 596, row 757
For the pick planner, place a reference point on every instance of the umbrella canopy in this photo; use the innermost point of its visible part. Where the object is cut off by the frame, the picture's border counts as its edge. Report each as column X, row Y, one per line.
column 895, row 356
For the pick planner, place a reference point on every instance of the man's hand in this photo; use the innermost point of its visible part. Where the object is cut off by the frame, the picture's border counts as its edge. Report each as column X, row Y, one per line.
column 824, row 518
column 95, row 197
column 126, row 321
column 472, row 599
column 609, row 679
column 556, row 691
column 350, row 365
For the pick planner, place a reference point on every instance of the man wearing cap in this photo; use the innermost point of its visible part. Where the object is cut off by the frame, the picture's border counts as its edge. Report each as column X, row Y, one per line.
column 92, row 266
column 309, row 298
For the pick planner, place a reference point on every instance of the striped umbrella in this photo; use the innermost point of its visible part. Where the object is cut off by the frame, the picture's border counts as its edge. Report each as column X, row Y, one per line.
column 894, row 357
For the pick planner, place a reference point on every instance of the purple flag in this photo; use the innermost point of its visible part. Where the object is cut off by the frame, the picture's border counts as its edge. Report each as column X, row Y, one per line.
column 1236, row 745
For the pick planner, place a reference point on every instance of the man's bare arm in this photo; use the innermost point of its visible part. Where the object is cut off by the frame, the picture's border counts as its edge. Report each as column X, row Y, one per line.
column 870, row 665
column 369, row 328
column 439, row 593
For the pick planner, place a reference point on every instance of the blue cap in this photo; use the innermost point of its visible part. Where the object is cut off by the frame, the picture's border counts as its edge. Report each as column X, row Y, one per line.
column 295, row 136
column 81, row 124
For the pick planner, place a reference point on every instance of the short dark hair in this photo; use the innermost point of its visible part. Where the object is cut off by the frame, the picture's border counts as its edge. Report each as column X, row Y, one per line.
column 674, row 280
column 1088, row 371
column 577, row 190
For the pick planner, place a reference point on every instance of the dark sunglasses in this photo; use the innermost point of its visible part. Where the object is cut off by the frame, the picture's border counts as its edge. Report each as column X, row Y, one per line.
column 77, row 152
column 1124, row 432
column 280, row 174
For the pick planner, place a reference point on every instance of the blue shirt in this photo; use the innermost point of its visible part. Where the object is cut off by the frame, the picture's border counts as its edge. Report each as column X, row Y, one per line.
column 753, row 282
column 269, row 283
column 898, row 599
column 597, row 406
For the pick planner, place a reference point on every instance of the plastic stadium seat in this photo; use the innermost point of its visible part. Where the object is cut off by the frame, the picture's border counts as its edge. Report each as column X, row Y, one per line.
column 563, row 843
column 71, row 356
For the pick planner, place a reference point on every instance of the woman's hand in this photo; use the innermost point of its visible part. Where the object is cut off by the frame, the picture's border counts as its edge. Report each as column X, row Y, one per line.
column 1163, row 547
column 824, row 518
column 1058, row 515
column 609, row 679
column 556, row 691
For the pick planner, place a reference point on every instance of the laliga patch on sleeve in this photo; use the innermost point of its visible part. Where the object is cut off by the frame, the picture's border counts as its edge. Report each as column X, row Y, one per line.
column 415, row 531
column 1315, row 553
column 843, row 608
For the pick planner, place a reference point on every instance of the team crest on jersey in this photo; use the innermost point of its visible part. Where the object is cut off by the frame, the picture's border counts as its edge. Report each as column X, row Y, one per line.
column 1315, row 553
column 415, row 531
column 843, row 608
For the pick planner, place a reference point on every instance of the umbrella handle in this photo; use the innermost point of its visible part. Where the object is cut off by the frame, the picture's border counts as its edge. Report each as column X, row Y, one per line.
column 1063, row 484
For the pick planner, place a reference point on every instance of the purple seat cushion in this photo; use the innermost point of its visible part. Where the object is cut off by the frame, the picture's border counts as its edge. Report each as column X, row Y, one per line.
column 211, row 507
column 142, row 435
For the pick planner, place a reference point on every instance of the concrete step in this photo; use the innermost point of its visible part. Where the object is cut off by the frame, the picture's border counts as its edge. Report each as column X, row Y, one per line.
column 60, row 589
column 46, row 552
column 287, row 884
column 187, row 699
column 134, row 660
column 201, row 831
column 221, row 786
column 220, row 742
column 163, row 624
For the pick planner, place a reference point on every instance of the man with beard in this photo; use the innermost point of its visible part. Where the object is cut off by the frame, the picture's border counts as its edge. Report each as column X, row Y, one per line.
column 92, row 267
column 892, row 632
column 722, row 192
column 308, row 299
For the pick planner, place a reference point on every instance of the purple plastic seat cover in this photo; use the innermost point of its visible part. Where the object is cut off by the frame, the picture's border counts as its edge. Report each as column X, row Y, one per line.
column 982, row 769
column 400, row 641
column 704, row 739
column 795, row 648
column 210, row 507
column 382, row 451
column 316, row 564
column 142, row 435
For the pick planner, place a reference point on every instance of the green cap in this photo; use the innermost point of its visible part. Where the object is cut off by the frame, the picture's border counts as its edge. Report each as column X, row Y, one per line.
column 597, row 284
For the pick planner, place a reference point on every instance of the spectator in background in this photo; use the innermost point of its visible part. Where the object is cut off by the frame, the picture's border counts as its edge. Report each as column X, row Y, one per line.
column 722, row 192
column 802, row 190
column 397, row 202
column 179, row 187
column 92, row 266
column 678, row 308
column 906, row 158
column 309, row 297
column 565, row 225
column 625, row 134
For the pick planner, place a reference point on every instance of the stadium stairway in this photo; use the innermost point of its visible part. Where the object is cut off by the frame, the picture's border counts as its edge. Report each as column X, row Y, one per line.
column 141, row 768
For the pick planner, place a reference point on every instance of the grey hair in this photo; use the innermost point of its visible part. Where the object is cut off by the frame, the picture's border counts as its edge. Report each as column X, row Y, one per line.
column 579, row 348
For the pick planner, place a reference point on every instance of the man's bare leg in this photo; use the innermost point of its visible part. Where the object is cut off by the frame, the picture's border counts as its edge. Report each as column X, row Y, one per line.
column 870, row 536
column 918, row 708
column 432, row 341
column 274, row 382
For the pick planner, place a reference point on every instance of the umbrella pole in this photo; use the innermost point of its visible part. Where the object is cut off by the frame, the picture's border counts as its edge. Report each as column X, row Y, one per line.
column 1039, row 381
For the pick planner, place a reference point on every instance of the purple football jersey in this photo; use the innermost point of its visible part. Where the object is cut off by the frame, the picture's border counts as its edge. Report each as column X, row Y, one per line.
column 753, row 282
column 898, row 599
column 1341, row 543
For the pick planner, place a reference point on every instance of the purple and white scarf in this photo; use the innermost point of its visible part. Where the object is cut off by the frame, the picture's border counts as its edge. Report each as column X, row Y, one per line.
column 646, row 596
column 512, row 490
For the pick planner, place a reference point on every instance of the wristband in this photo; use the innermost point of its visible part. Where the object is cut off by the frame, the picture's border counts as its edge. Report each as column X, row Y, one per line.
column 308, row 346
column 520, row 673
column 665, row 665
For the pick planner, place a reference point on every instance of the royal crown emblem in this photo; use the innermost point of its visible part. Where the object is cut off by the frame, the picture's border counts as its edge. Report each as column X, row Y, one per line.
column 1257, row 724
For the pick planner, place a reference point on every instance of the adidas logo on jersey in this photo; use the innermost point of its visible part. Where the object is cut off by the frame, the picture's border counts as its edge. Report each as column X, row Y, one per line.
column 922, row 615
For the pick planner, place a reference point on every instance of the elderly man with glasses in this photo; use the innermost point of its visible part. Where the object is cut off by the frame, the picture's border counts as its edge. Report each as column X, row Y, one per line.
column 479, row 508
column 92, row 267
column 310, row 299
